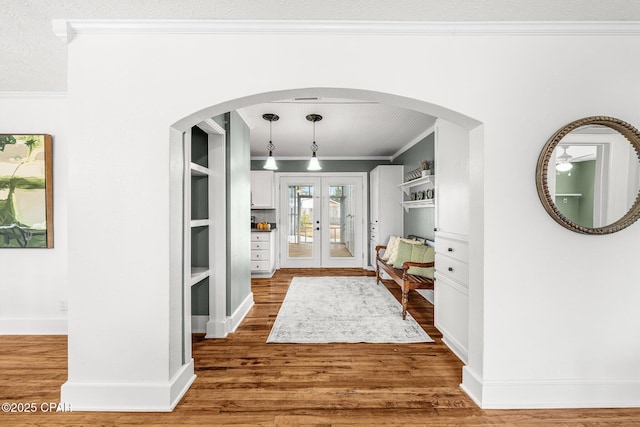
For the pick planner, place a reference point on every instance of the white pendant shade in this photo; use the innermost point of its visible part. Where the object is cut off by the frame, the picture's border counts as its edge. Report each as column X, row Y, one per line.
column 314, row 165
column 271, row 164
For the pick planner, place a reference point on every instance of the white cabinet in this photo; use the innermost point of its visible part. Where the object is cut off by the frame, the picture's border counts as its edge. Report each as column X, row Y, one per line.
column 262, row 190
column 386, row 208
column 263, row 253
column 451, row 291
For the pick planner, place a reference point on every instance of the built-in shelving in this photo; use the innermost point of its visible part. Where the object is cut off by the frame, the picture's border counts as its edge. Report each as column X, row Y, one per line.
column 426, row 183
column 406, row 186
column 198, row 274
column 569, row 195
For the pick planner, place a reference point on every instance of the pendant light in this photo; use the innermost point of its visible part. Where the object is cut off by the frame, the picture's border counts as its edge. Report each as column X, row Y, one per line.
column 270, row 164
column 314, row 165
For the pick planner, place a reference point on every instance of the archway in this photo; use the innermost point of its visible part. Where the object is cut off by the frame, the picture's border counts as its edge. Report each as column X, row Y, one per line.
column 469, row 125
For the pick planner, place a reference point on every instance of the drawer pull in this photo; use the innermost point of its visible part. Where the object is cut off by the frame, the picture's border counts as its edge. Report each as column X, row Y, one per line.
column 450, row 249
column 450, row 269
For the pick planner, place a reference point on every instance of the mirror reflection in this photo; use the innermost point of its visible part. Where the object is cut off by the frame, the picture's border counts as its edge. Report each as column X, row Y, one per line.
column 593, row 176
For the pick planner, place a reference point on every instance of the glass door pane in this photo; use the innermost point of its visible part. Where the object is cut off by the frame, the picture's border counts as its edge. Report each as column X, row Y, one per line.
column 300, row 221
column 341, row 216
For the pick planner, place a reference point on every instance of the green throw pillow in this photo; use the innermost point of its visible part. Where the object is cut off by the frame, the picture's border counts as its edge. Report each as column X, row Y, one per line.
column 403, row 254
column 422, row 253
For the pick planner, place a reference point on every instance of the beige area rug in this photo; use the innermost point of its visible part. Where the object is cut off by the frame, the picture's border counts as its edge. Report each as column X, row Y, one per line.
column 343, row 310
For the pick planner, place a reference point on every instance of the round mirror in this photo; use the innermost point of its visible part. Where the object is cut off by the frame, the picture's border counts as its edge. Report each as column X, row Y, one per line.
column 588, row 175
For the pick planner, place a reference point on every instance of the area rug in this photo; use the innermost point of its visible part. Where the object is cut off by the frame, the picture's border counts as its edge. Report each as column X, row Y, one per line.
column 342, row 310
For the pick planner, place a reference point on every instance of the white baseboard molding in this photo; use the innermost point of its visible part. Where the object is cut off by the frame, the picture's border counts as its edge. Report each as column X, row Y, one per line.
column 427, row 294
column 528, row 394
column 454, row 345
column 129, row 397
column 51, row 326
column 241, row 312
column 216, row 328
column 472, row 385
column 199, row 324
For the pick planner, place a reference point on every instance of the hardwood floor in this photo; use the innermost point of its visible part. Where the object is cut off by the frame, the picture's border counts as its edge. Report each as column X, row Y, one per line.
column 243, row 380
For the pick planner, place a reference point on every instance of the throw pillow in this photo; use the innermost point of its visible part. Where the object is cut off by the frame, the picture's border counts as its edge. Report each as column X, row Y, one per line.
column 394, row 254
column 404, row 253
column 392, row 247
column 422, row 253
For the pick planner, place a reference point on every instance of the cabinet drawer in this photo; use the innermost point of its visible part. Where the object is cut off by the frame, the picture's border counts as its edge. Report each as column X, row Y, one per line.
column 260, row 266
column 260, row 237
column 260, row 245
column 260, row 255
column 454, row 248
column 452, row 268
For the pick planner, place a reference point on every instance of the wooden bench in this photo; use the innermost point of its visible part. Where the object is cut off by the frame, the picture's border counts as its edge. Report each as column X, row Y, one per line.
column 401, row 276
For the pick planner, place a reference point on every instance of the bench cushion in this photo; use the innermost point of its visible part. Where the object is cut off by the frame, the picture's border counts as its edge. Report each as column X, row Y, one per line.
column 416, row 253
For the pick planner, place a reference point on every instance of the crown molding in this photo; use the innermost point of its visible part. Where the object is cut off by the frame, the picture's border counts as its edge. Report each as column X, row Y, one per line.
column 68, row 29
column 33, row 95
column 328, row 158
column 431, row 129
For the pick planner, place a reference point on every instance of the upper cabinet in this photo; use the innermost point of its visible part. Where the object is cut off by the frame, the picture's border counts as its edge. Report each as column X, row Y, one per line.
column 262, row 190
column 452, row 178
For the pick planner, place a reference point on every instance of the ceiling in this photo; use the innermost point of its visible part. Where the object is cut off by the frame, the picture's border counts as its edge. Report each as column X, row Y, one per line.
column 349, row 128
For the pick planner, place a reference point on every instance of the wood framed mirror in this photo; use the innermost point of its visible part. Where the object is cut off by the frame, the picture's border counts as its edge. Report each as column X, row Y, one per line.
column 588, row 175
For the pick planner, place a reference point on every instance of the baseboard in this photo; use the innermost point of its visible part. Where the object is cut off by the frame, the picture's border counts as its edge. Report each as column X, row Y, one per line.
column 199, row 324
column 216, row 328
column 457, row 348
column 472, row 385
column 129, row 397
column 52, row 326
column 427, row 294
column 527, row 394
column 241, row 312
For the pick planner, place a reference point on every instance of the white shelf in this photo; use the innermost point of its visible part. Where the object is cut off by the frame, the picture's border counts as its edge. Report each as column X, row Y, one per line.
column 569, row 195
column 418, row 204
column 197, row 170
column 200, row 223
column 198, row 273
column 406, row 186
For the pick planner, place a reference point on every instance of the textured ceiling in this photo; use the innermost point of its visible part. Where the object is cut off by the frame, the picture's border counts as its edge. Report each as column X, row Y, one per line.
column 34, row 60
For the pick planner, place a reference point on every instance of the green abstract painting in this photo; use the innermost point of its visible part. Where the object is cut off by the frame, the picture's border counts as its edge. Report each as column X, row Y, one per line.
column 26, row 191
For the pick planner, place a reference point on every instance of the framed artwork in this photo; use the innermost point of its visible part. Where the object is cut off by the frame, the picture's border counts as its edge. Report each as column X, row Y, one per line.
column 26, row 191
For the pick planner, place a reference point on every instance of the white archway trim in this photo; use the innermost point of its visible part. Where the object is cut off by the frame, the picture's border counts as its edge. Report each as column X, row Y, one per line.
column 68, row 29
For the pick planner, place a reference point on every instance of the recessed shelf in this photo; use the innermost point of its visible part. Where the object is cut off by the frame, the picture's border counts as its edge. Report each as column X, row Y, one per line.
column 569, row 195
column 198, row 273
column 200, row 223
column 197, row 170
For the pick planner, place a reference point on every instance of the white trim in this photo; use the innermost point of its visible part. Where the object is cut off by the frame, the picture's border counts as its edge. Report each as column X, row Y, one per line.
column 564, row 393
column 31, row 95
column 454, row 345
column 472, row 385
column 68, row 29
column 211, row 127
column 129, row 397
column 51, row 326
column 328, row 158
column 241, row 312
column 414, row 141
column 245, row 119
column 199, row 323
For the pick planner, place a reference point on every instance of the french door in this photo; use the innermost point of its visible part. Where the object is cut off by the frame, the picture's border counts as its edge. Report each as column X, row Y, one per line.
column 321, row 220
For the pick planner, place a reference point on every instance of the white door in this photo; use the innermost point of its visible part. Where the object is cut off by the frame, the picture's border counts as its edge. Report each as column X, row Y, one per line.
column 321, row 221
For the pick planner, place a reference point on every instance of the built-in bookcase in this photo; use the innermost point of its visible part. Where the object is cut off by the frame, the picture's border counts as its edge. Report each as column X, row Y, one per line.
column 205, row 229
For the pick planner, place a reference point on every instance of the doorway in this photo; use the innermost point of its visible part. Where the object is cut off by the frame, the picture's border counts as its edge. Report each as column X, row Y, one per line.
column 322, row 217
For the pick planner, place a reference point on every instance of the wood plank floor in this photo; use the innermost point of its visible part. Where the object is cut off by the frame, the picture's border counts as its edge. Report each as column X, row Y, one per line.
column 243, row 381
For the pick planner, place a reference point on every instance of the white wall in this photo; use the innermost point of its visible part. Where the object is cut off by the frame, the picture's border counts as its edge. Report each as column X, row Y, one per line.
column 557, row 311
column 33, row 282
